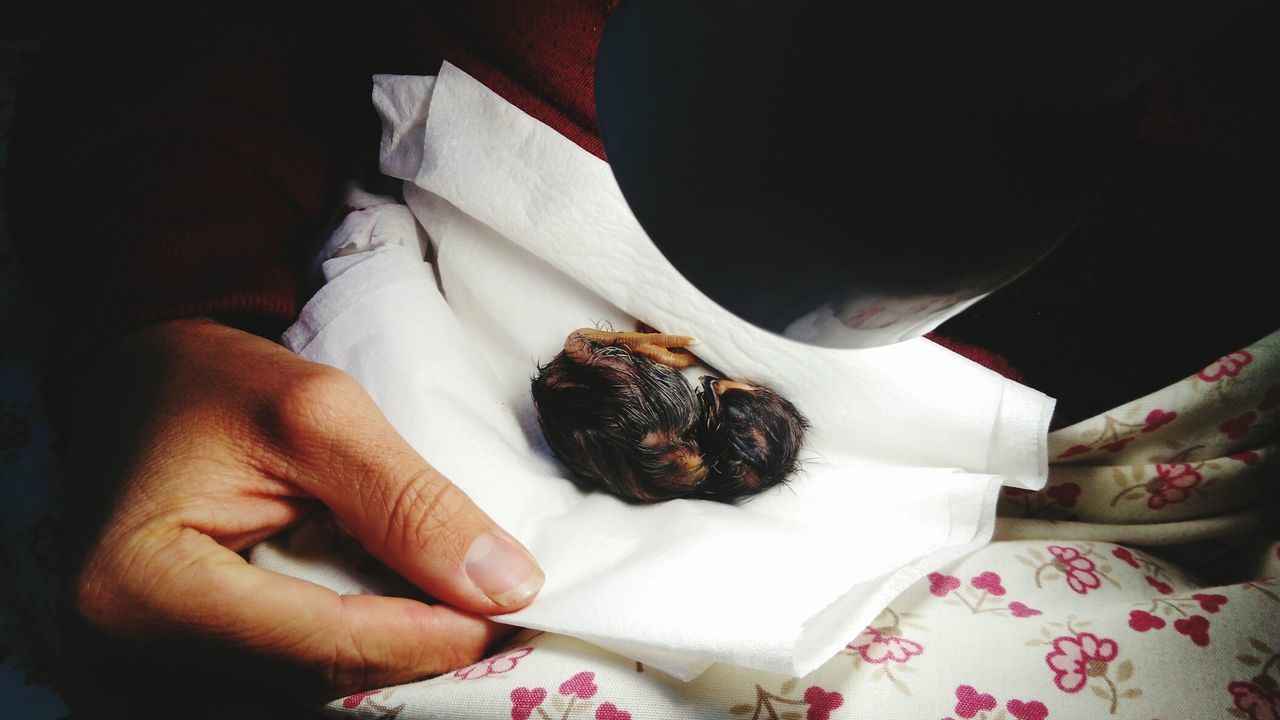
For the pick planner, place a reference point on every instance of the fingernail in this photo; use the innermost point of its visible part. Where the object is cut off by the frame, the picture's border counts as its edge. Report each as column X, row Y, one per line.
column 502, row 570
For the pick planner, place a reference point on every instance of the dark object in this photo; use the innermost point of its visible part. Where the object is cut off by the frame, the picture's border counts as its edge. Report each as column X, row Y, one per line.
column 852, row 174
column 751, row 436
column 620, row 417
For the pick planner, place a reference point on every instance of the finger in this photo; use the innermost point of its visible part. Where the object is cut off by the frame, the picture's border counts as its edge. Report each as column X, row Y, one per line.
column 402, row 510
column 335, row 643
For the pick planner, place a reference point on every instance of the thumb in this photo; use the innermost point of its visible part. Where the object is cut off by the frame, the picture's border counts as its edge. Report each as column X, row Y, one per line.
column 402, row 510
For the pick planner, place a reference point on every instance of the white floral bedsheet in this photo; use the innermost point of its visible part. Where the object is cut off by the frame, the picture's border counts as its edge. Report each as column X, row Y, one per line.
column 1022, row 629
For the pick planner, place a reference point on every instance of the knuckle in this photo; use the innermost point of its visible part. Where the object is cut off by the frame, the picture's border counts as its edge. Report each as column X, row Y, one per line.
column 99, row 587
column 314, row 401
column 91, row 598
column 361, row 660
column 109, row 592
column 450, row 656
column 425, row 509
column 356, row 661
column 348, row 668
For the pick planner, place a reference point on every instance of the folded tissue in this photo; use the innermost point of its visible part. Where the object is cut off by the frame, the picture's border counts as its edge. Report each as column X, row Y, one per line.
column 529, row 239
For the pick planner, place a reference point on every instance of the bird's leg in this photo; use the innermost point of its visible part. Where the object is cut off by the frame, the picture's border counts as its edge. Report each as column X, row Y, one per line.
column 655, row 346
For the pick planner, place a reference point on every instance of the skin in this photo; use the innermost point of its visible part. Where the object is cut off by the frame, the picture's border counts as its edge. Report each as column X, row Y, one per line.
column 190, row 441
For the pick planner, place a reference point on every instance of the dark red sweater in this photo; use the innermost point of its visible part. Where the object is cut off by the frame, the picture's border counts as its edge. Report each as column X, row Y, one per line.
column 172, row 165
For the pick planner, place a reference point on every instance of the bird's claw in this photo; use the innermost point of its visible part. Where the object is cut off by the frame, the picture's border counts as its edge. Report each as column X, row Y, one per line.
column 653, row 345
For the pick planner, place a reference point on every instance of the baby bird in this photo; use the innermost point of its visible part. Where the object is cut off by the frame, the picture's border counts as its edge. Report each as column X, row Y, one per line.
column 620, row 417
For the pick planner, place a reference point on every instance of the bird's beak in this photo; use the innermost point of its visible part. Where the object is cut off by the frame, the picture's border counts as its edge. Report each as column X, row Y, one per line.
column 709, row 385
column 710, row 394
column 714, row 387
column 720, row 386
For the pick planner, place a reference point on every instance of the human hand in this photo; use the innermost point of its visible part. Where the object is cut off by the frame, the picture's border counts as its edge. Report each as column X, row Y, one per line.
column 191, row 441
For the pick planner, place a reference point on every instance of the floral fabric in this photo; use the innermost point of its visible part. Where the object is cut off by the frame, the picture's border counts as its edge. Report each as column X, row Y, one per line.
column 1202, row 448
column 1021, row 630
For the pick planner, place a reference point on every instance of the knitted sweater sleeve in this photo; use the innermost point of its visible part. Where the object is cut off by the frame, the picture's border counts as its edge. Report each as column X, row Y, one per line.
column 174, row 165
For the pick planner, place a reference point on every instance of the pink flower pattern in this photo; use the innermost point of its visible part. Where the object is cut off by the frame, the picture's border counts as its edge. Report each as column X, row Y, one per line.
column 987, row 585
column 496, row 665
column 1185, row 621
column 1117, row 445
column 1073, row 451
column 1195, row 627
column 609, row 711
column 1117, row 433
column 1080, row 571
column 970, row 702
column 1053, row 501
column 940, row 585
column 1065, row 494
column 579, row 687
column 1029, row 710
column 821, row 703
column 582, row 685
column 1126, row 555
column 878, row 648
column 1226, row 366
column 818, row 702
column 989, row 582
column 1238, row 427
column 1210, row 602
column 524, row 700
column 1076, row 658
column 1254, row 701
column 1021, row 609
column 1157, row 419
column 1142, row 621
column 353, row 701
column 1173, row 484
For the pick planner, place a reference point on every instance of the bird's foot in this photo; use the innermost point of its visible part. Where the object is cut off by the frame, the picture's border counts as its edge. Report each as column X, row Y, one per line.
column 653, row 345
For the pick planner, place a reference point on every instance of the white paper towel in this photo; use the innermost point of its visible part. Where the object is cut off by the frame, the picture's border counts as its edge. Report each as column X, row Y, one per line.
column 533, row 239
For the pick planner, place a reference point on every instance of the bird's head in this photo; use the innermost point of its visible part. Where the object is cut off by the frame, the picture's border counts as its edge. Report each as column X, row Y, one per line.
column 750, row 437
